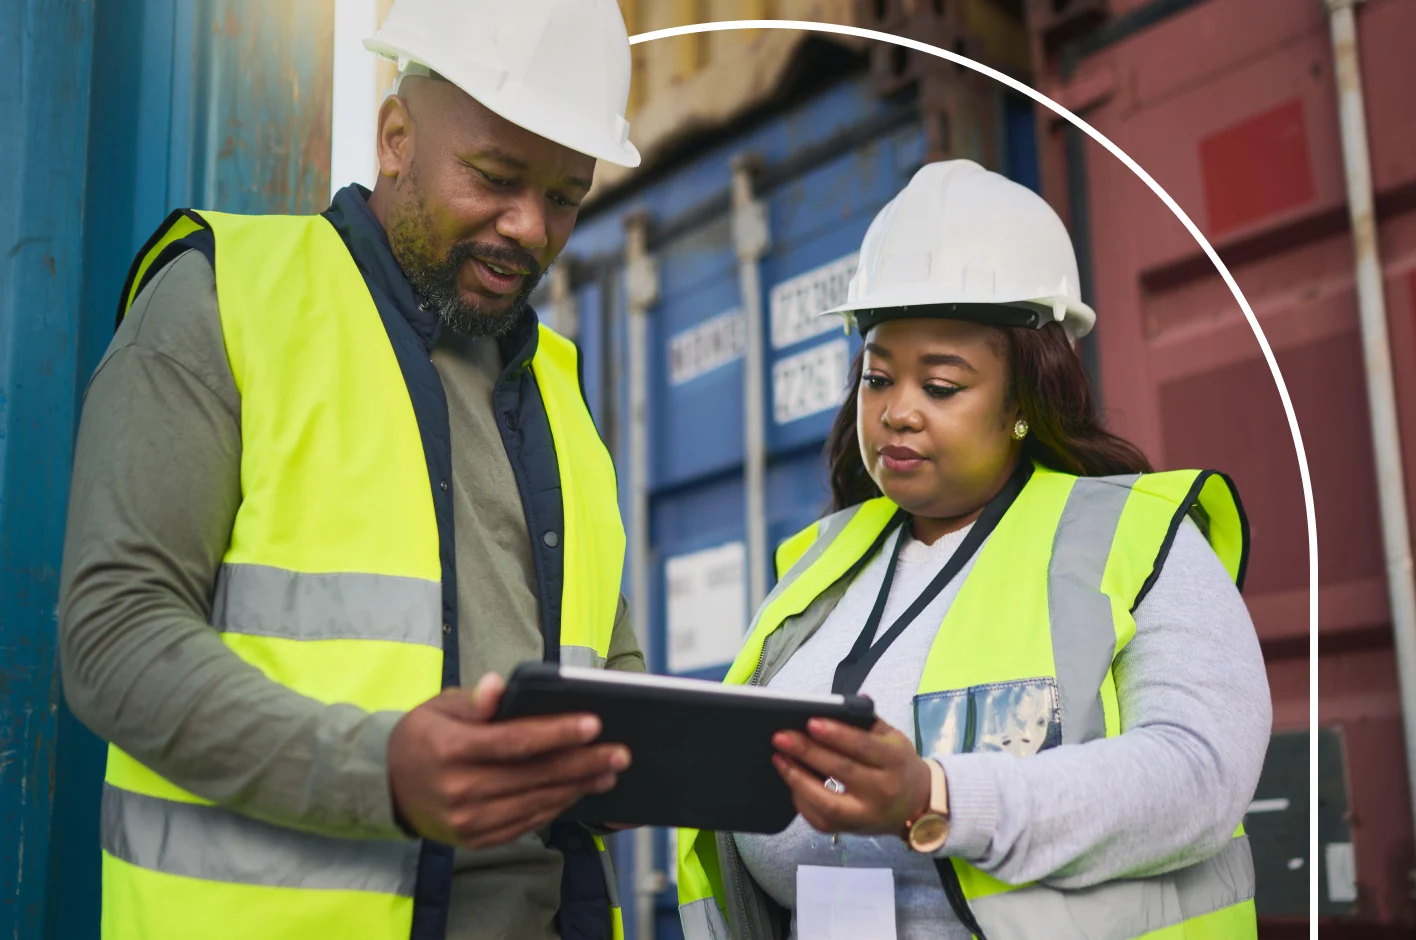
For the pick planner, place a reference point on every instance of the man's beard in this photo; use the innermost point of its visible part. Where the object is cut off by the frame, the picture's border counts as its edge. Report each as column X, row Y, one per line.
column 435, row 279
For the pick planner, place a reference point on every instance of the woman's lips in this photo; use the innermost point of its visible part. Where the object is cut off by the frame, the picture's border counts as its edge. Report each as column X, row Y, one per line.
column 901, row 459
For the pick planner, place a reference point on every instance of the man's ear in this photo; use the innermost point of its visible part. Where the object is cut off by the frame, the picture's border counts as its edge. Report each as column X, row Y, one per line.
column 395, row 140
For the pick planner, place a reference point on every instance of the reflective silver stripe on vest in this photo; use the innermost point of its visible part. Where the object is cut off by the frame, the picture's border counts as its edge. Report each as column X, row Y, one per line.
column 215, row 844
column 1121, row 910
column 581, row 656
column 826, row 532
column 1083, row 635
column 611, row 884
column 263, row 601
column 703, row 920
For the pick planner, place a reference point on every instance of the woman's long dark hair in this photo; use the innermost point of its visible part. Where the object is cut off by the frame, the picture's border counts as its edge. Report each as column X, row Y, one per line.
column 1055, row 396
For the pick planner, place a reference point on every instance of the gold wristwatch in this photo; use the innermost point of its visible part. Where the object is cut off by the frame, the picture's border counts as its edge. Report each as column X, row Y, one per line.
column 930, row 831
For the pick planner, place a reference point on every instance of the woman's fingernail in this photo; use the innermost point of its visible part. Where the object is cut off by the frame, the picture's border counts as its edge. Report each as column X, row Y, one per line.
column 817, row 726
column 620, row 759
column 589, row 727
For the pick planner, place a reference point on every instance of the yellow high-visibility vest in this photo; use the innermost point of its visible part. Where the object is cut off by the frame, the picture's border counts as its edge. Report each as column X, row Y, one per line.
column 1031, row 636
column 331, row 586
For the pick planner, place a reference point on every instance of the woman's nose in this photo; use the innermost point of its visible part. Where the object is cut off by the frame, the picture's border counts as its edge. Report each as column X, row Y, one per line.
column 900, row 415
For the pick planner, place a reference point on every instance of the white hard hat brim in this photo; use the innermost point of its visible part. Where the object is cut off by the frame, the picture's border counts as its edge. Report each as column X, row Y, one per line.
column 1077, row 318
column 485, row 88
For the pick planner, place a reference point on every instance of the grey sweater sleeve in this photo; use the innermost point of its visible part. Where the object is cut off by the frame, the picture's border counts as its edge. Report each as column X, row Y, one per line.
column 155, row 489
column 625, row 654
column 1172, row 787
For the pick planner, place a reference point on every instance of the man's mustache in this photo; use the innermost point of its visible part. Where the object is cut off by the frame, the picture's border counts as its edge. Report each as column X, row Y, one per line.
column 513, row 258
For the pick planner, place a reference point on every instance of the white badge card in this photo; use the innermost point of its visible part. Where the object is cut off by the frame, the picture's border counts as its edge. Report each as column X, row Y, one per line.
column 845, row 903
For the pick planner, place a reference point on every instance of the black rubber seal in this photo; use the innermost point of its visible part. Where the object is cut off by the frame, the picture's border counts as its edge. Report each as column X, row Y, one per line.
column 991, row 314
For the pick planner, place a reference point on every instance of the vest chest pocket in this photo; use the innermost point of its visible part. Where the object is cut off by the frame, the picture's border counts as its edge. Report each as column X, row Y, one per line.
column 1019, row 718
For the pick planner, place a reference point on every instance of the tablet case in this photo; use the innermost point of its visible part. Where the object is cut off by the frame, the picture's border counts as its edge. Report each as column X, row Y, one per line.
column 701, row 752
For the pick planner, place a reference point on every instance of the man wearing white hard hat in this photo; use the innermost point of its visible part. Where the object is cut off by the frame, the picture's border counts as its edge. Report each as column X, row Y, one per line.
column 331, row 475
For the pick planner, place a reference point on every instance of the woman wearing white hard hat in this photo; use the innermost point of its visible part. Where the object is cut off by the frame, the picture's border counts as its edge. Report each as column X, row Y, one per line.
column 1073, row 708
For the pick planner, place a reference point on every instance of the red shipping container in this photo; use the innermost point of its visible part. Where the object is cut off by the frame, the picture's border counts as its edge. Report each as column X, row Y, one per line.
column 1231, row 106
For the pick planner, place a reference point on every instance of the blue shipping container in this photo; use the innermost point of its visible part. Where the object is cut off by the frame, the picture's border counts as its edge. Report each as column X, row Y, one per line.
column 825, row 165
column 122, row 110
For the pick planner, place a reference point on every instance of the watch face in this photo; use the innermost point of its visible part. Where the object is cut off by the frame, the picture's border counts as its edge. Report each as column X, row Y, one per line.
column 929, row 833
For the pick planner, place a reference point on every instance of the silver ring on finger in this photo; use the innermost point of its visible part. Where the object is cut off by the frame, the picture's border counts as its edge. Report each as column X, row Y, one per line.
column 835, row 786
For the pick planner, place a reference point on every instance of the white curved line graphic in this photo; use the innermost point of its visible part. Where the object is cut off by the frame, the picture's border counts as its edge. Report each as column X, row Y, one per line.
column 1203, row 242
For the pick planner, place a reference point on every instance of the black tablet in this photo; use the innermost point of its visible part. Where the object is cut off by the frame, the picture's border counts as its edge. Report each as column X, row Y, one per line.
column 702, row 752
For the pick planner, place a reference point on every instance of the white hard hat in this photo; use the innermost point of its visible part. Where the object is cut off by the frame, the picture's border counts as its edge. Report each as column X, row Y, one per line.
column 559, row 68
column 963, row 243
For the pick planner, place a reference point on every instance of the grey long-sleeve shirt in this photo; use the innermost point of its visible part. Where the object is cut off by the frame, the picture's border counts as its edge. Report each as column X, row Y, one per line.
column 155, row 489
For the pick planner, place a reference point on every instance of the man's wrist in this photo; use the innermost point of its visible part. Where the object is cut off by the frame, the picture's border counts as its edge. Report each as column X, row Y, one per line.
column 402, row 823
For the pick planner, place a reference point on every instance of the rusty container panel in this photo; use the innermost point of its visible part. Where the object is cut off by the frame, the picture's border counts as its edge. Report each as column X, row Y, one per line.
column 44, row 110
column 1231, row 106
column 269, row 65
column 210, row 104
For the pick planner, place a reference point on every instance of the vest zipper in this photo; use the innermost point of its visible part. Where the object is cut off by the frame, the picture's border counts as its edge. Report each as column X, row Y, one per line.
column 757, row 673
column 736, row 860
column 748, row 920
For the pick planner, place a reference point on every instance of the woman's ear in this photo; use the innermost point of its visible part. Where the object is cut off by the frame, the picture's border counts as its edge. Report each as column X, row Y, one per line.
column 1012, row 412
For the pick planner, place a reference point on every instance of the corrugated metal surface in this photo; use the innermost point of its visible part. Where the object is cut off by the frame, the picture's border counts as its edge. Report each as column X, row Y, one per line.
column 44, row 104
column 121, row 110
column 827, row 164
column 1228, row 102
column 266, row 66
column 700, row 81
column 1230, row 105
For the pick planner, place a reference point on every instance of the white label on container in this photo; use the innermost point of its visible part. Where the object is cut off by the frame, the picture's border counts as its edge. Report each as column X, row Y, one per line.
column 1341, row 872
column 810, row 382
column 796, row 304
column 707, row 606
column 709, row 345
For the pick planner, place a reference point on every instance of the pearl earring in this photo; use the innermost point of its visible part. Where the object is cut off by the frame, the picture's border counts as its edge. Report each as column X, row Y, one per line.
column 1020, row 430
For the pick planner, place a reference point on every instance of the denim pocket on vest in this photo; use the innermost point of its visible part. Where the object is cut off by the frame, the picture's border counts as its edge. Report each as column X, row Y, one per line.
column 1019, row 718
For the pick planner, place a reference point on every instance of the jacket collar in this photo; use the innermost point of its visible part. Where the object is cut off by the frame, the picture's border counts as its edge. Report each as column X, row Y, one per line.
column 367, row 242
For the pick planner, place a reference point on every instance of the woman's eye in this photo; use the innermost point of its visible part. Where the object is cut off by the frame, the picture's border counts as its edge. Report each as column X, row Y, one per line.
column 494, row 180
column 875, row 381
column 941, row 391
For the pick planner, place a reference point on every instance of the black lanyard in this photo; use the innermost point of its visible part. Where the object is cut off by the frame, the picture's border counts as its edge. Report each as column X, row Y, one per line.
column 851, row 671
